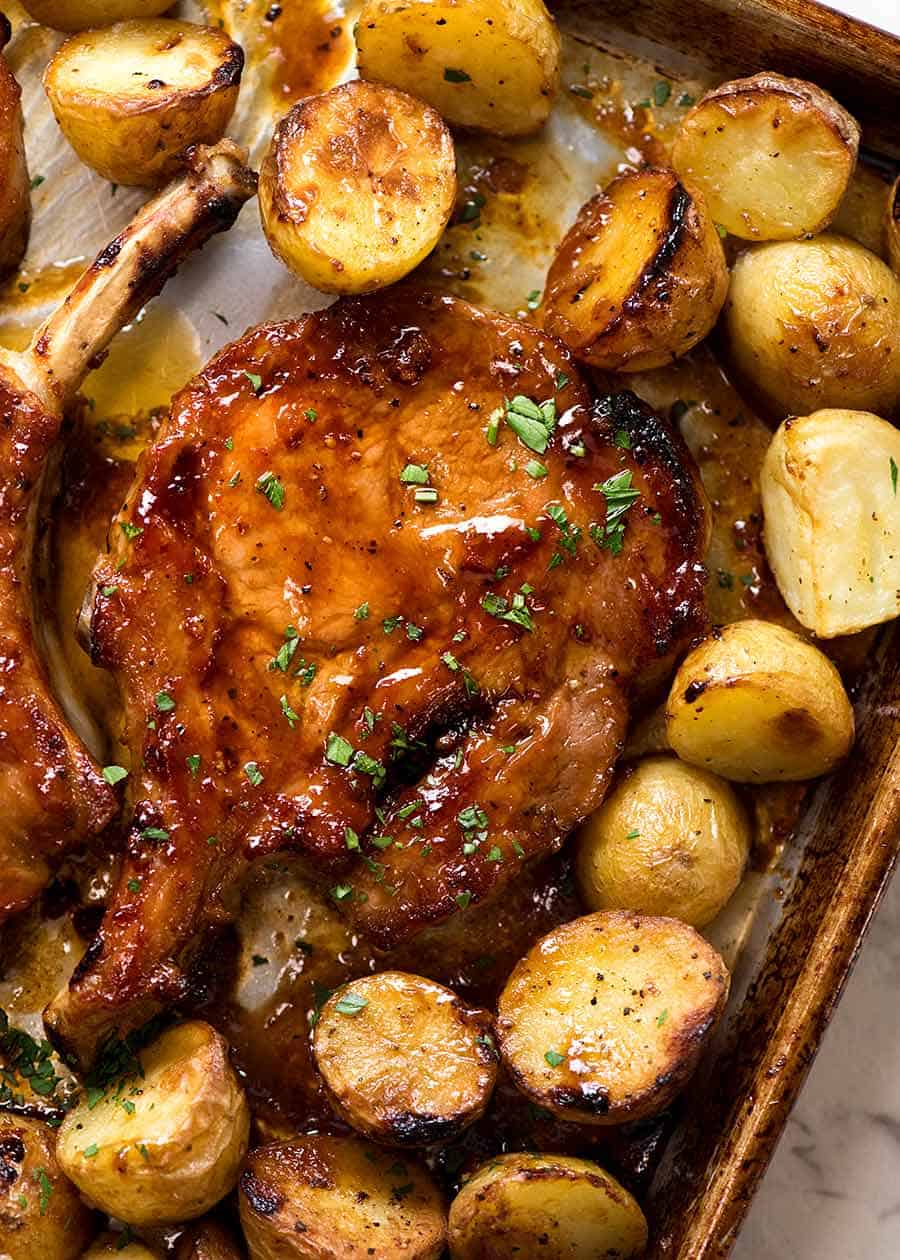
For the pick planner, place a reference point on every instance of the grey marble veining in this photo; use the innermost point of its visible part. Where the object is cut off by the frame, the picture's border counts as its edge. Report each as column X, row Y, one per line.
column 832, row 1191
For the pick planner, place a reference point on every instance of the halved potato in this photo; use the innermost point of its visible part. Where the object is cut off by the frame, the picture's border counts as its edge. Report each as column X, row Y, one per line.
column 756, row 704
column 772, row 156
column 41, row 1212
column 669, row 839
column 640, row 277
column 165, row 1145
column 813, row 324
column 78, row 15
column 403, row 1059
column 357, row 187
column 479, row 63
column 320, row 1197
column 119, row 1247
column 831, row 500
column 892, row 226
column 549, row 1205
column 604, row 1020
column 207, row 1240
column 130, row 98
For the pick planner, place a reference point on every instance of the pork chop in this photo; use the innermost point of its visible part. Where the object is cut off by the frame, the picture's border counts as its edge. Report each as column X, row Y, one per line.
column 379, row 595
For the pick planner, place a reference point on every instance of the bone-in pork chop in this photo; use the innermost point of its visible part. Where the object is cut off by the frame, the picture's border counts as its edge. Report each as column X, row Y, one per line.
column 363, row 608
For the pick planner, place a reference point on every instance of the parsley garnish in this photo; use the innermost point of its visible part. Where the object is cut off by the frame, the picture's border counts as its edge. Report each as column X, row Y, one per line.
column 426, row 494
column 282, row 658
column 533, row 423
column 661, row 1018
column 620, row 495
column 554, row 1058
column 253, row 773
column 193, row 763
column 114, row 774
column 338, row 751
column 362, row 611
column 272, row 489
column 129, row 530
column 288, row 712
column 463, row 899
column 535, row 469
column 661, row 92
column 255, row 381
column 164, row 702
column 154, row 833
column 456, row 76
column 414, row 475
column 533, row 300
column 351, row 1004
column 517, row 613
column 893, row 463
column 46, row 1190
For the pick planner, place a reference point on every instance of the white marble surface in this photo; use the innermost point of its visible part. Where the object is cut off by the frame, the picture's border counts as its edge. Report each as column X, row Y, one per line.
column 832, row 1191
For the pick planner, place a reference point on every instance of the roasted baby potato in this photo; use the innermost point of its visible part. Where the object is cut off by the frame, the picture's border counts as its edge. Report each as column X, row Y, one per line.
column 772, row 156
column 479, row 63
column 670, row 839
column 166, row 1145
column 119, row 1247
column 130, row 98
column 357, row 187
column 41, row 1212
column 813, row 324
column 892, row 226
column 756, row 704
column 552, row 1205
column 403, row 1059
column 832, row 519
column 78, row 15
column 208, row 1240
column 320, row 1197
column 604, row 1020
column 15, row 199
column 639, row 278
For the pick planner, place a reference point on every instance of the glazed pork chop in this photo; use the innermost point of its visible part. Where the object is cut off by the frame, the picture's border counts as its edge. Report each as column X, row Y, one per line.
column 379, row 595
column 54, row 795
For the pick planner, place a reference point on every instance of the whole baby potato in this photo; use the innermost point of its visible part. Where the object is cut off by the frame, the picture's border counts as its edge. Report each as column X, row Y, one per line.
column 42, row 1216
column 670, row 839
column 166, row 1144
column 77, row 15
column 815, row 324
column 757, row 704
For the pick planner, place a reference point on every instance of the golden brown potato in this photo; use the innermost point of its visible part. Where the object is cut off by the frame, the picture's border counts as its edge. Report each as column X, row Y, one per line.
column 756, row 704
column 78, row 15
column 41, row 1213
column 892, row 226
column 15, row 198
column 357, row 187
column 167, row 1145
column 403, row 1059
column 320, row 1198
column 119, row 1247
column 771, row 155
column 207, row 1240
column 130, row 98
column 813, row 324
column 861, row 212
column 552, row 1205
column 670, row 839
column 832, row 519
column 604, row 1020
column 479, row 63
column 639, row 278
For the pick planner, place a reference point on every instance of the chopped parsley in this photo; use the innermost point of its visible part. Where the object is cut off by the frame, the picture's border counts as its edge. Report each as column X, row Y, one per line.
column 133, row 885
column 463, row 899
column 620, row 495
column 472, row 818
column 288, row 712
column 426, row 494
column 554, row 1058
column 108, row 590
column 516, row 614
column 413, row 633
column 536, row 470
column 452, row 75
column 471, row 209
column 661, row 1018
column 90, row 1151
column 338, row 751
column 661, row 92
column 414, row 475
column 193, row 764
column 351, row 1004
column 164, row 702
column 362, row 612
column 340, row 892
column 282, row 658
column 533, row 423
column 114, row 774
column 271, row 488
column 351, row 839
column 893, row 464
column 46, row 1190
column 533, row 300
column 255, row 381
column 253, row 773
column 130, row 530
column 154, row 833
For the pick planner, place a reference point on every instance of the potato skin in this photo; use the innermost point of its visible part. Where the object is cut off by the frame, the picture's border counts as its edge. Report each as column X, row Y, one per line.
column 578, row 1211
column 832, row 519
column 670, row 839
column 111, row 1247
column 892, row 226
column 772, row 155
column 639, row 278
column 357, row 187
column 605, row 1018
column 178, row 1152
column 15, row 201
column 337, row 1198
column 136, row 136
column 756, row 704
column 482, row 65
column 41, row 1212
column 413, row 1066
column 815, row 324
column 78, row 15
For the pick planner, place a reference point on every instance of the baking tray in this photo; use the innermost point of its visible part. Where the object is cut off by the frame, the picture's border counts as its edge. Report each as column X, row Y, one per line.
column 793, row 931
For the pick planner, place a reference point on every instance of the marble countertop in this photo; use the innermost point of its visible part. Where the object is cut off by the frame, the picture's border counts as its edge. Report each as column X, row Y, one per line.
column 832, row 1191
